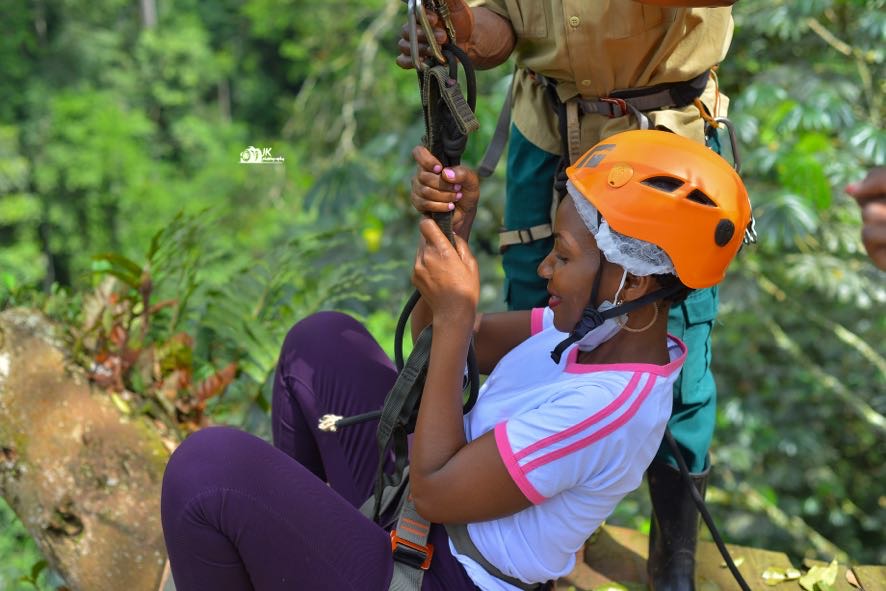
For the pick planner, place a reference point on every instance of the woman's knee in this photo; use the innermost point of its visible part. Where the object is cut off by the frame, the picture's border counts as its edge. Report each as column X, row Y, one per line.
column 309, row 332
column 328, row 336
column 204, row 460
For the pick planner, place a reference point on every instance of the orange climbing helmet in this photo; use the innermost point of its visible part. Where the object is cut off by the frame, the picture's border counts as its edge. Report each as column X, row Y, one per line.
column 670, row 191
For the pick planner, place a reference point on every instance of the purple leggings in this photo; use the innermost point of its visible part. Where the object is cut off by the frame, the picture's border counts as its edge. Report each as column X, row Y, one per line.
column 239, row 513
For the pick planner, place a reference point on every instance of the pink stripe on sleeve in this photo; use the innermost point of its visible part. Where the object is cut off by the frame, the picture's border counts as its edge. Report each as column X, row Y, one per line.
column 610, row 428
column 595, row 418
column 536, row 322
column 507, row 455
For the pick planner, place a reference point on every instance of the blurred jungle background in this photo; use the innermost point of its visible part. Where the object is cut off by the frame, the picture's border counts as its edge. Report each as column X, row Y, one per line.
column 126, row 218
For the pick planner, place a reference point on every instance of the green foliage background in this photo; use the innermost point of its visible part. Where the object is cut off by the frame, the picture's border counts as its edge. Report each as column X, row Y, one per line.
column 114, row 132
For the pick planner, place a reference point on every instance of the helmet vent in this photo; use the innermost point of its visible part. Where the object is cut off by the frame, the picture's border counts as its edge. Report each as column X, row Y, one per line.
column 667, row 184
column 700, row 197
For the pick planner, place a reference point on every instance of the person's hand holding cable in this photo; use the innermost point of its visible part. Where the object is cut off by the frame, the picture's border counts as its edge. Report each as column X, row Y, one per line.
column 486, row 37
column 462, row 19
column 436, row 189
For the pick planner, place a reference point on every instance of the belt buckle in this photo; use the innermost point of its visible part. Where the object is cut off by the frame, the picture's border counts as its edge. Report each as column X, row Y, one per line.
column 620, row 103
column 525, row 235
column 410, row 553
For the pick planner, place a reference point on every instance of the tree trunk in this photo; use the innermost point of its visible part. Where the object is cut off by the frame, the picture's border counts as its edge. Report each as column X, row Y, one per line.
column 149, row 13
column 82, row 477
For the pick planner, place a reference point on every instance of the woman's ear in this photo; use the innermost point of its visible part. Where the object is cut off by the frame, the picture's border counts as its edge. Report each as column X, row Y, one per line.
column 637, row 286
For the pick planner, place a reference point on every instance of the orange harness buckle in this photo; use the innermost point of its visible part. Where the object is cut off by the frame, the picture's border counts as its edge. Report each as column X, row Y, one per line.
column 410, row 553
column 617, row 102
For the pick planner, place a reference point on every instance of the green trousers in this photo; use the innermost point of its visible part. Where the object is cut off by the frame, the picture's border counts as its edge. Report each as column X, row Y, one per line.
column 530, row 177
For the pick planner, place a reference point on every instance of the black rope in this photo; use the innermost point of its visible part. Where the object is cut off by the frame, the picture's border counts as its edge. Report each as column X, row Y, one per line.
column 703, row 509
column 452, row 144
column 470, row 73
column 401, row 329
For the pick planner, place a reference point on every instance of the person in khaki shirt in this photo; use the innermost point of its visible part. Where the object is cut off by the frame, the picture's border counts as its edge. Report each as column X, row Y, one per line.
column 607, row 66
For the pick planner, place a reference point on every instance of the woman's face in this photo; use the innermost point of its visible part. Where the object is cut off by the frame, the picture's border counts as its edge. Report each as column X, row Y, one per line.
column 571, row 267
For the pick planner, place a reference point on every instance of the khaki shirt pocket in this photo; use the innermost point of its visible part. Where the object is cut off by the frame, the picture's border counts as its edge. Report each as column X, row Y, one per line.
column 627, row 19
column 528, row 19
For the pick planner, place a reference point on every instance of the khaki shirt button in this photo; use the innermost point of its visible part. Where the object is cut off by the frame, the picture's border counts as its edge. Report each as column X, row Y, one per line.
column 574, row 21
column 585, row 82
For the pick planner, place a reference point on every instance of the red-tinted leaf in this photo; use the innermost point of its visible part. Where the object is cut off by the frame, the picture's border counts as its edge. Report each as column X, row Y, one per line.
column 216, row 383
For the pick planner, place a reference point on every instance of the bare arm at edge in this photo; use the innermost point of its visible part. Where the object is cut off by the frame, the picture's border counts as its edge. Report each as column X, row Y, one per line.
column 490, row 43
column 492, row 40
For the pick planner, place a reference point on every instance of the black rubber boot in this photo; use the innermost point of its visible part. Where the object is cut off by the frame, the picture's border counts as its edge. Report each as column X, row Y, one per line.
column 674, row 531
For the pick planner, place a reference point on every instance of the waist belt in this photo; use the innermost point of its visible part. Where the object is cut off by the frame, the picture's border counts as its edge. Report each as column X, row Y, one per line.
column 648, row 98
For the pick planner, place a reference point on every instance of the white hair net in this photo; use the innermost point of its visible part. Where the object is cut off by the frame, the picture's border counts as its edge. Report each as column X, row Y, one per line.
column 633, row 255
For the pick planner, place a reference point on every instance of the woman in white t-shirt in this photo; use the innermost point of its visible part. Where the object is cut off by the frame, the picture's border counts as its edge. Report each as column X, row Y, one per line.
column 571, row 415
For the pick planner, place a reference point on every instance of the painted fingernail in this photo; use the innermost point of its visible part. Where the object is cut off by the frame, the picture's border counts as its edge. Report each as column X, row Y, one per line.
column 449, row 174
column 437, row 168
column 456, row 187
column 458, row 196
column 451, row 206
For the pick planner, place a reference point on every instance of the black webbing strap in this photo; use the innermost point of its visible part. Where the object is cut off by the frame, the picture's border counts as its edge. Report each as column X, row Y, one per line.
column 439, row 89
column 591, row 318
column 670, row 94
column 397, row 420
column 500, row 136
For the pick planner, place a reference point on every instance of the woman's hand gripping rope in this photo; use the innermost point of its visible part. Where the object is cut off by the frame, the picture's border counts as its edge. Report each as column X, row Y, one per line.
column 447, row 277
column 436, row 189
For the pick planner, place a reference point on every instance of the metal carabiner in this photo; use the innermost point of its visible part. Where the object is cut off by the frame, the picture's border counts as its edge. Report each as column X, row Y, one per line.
column 750, row 233
column 733, row 142
column 416, row 9
column 442, row 10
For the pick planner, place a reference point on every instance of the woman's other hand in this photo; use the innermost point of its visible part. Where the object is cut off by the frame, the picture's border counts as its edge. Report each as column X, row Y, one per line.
column 447, row 277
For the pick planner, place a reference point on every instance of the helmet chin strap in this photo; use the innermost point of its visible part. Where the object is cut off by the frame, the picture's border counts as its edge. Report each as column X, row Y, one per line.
column 592, row 317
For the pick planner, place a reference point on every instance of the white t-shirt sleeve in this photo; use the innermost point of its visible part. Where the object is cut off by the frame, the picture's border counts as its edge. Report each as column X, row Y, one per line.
column 541, row 319
column 576, row 438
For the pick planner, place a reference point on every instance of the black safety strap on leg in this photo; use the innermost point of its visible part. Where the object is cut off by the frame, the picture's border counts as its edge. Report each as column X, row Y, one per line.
column 703, row 510
column 398, row 416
